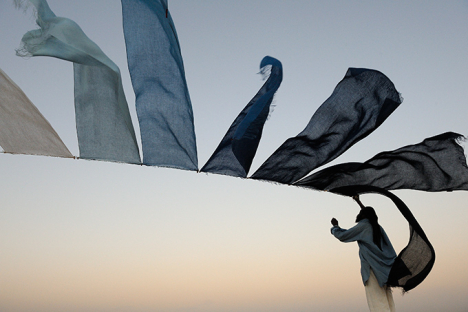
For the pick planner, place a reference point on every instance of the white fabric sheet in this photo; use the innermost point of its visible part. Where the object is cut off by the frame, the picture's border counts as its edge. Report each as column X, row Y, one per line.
column 23, row 129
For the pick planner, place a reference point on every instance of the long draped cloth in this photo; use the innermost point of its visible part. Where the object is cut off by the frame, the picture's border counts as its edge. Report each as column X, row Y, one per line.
column 23, row 129
column 416, row 260
column 162, row 99
column 104, row 126
column 235, row 153
column 436, row 164
column 358, row 105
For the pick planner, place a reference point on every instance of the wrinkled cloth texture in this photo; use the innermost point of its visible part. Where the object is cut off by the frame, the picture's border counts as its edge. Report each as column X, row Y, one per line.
column 104, row 126
column 23, row 129
column 358, row 105
column 237, row 149
column 380, row 261
column 416, row 260
column 162, row 98
column 436, row 164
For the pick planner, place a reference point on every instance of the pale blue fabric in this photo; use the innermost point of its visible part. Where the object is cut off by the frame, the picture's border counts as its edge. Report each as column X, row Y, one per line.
column 162, row 98
column 237, row 149
column 104, row 126
column 371, row 256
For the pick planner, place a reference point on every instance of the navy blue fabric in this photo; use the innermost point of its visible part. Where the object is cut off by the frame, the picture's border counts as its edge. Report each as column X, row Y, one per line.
column 436, row 164
column 162, row 99
column 357, row 106
column 237, row 149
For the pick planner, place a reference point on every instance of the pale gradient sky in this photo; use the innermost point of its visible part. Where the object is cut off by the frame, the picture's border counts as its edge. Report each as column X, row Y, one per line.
column 80, row 235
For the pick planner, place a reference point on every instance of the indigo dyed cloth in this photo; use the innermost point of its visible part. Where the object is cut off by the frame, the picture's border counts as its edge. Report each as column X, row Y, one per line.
column 23, row 129
column 436, row 164
column 162, row 99
column 357, row 106
column 104, row 126
column 237, row 149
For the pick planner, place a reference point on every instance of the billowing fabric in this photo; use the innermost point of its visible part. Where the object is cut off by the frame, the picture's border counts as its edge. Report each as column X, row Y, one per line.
column 416, row 260
column 162, row 98
column 237, row 149
column 357, row 106
column 23, row 129
column 436, row 164
column 379, row 260
column 104, row 126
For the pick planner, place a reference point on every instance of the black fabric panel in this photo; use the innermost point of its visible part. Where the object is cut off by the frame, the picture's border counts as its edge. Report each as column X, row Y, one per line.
column 416, row 260
column 357, row 106
column 436, row 164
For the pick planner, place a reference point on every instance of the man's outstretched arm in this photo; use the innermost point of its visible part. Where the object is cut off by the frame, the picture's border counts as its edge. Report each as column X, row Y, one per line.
column 356, row 198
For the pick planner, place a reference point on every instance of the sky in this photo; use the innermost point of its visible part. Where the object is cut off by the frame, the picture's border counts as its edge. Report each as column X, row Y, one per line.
column 78, row 235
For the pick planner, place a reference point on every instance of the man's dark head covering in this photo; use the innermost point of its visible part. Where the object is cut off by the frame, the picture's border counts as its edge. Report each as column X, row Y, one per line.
column 369, row 214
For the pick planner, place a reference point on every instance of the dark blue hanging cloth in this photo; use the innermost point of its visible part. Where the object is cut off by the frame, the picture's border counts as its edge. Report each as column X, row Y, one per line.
column 237, row 149
column 436, row 164
column 357, row 106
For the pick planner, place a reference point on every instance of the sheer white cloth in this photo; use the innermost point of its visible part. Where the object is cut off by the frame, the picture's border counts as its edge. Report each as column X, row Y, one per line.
column 23, row 129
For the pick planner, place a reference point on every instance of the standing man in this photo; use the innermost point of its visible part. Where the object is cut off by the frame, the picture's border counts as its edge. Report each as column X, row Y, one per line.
column 376, row 253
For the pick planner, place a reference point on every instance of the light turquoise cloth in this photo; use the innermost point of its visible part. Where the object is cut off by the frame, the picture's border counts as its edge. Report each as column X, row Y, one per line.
column 371, row 256
column 104, row 126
